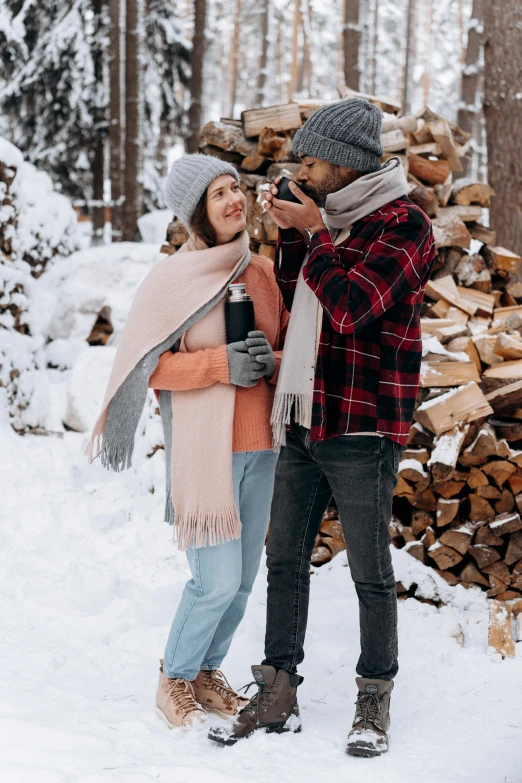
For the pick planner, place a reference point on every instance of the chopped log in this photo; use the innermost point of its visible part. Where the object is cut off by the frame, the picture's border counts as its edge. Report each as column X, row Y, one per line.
column 450, row 231
column 517, row 568
column 466, row 191
column 485, row 302
column 485, row 345
column 486, row 536
column 480, row 509
column 407, row 534
column 450, row 578
column 447, row 510
column 444, row 456
column 432, row 325
column 335, row 545
column 425, row 500
column 416, row 549
column 483, row 234
column 267, row 251
column 425, row 198
column 506, row 523
column 517, row 583
column 484, row 446
column 459, row 538
column 276, row 170
column 506, row 504
column 429, row 538
column 448, row 489
column 402, row 488
column 394, row 140
column 468, row 214
column 321, row 555
column 407, row 124
column 508, row 371
column 515, row 482
column 503, row 450
column 510, row 430
column 421, row 455
column 508, row 346
column 444, row 556
column 483, row 555
column 447, row 333
column 411, row 470
column 500, row 637
column 231, row 157
column 418, row 436
column 490, row 492
column 509, row 595
column 226, row 137
column 458, row 406
column 279, row 118
column 506, row 399
column 421, row 520
column 271, row 143
column 476, row 479
column 499, row 470
column 443, row 192
column 470, row 573
column 498, row 569
column 445, row 288
column 447, row 374
column 331, row 528
column 501, row 260
column 430, row 149
column 432, row 172
column 386, row 105
column 254, row 162
column 497, row 586
column 441, row 132
column 514, row 550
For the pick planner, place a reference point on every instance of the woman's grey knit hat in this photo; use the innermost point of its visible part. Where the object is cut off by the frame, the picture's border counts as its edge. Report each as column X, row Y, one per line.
column 347, row 133
column 189, row 178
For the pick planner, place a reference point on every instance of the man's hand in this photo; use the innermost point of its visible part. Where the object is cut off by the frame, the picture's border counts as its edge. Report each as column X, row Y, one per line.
column 287, row 214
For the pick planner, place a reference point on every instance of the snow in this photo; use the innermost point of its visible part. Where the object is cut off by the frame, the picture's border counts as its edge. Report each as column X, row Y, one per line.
column 86, row 388
column 90, row 579
column 9, row 154
column 412, row 464
column 433, row 345
column 441, row 397
column 153, row 226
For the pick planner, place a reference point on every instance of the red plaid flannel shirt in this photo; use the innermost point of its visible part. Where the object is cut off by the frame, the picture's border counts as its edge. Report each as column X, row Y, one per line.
column 371, row 287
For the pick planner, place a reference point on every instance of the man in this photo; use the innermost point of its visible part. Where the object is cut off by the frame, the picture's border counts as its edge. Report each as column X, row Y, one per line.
column 353, row 278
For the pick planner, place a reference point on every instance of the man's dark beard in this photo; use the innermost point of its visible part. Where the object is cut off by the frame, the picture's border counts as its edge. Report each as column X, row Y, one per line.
column 332, row 182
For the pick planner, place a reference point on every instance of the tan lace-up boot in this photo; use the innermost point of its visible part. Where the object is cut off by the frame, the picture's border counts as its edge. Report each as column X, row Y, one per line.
column 213, row 691
column 176, row 703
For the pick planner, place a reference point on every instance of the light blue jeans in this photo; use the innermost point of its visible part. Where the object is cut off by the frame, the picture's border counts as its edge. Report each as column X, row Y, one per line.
column 214, row 600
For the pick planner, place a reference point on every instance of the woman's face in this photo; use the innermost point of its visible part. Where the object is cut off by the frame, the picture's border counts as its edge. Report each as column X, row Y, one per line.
column 226, row 208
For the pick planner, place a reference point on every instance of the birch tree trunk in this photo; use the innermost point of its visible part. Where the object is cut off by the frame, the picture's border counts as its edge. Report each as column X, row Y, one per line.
column 263, row 61
column 503, row 113
column 115, row 126
column 133, row 109
column 351, row 41
column 196, row 78
column 470, row 110
column 409, row 61
column 234, row 59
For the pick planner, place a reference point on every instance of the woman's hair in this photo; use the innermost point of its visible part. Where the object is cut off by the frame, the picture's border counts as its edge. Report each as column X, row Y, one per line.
column 200, row 225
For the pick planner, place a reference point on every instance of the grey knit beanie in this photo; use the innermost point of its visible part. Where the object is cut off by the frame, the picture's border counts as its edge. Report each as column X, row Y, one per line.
column 347, row 133
column 189, row 178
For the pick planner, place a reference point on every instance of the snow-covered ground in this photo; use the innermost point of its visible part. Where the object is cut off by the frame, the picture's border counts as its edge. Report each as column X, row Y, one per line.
column 89, row 580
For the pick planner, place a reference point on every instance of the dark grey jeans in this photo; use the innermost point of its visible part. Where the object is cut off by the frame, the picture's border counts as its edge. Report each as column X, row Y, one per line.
column 361, row 472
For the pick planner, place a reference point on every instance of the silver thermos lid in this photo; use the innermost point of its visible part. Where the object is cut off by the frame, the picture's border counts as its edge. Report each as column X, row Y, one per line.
column 237, row 293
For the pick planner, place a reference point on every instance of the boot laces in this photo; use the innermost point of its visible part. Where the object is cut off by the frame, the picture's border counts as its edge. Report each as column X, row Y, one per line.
column 182, row 694
column 368, row 708
column 216, row 681
column 260, row 700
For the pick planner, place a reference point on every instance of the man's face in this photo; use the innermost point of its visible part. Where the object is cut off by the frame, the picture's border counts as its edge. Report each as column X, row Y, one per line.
column 317, row 178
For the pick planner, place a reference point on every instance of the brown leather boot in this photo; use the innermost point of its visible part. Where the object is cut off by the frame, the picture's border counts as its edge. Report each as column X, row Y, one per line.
column 213, row 691
column 369, row 734
column 272, row 709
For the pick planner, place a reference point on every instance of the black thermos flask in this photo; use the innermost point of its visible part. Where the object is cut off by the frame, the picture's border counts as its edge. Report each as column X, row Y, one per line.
column 239, row 313
column 285, row 194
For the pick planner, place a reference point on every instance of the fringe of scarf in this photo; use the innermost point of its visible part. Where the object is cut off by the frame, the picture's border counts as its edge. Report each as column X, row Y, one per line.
column 286, row 403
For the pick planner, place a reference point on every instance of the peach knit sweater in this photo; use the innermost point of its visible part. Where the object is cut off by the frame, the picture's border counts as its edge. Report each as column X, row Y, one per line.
column 182, row 371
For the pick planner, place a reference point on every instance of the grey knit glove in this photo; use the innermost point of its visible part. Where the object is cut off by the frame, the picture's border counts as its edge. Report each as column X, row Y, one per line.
column 261, row 350
column 243, row 368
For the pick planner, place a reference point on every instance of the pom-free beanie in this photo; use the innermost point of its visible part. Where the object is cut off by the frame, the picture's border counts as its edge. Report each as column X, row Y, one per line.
column 347, row 133
column 189, row 178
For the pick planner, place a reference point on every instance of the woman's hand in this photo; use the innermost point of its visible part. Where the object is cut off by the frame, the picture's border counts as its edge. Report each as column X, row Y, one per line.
column 261, row 350
column 243, row 369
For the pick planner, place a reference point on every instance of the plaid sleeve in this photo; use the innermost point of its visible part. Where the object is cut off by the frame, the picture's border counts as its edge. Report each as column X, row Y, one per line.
column 356, row 292
column 290, row 253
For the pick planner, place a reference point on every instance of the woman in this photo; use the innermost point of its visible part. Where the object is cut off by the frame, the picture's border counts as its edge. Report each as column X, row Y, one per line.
column 215, row 402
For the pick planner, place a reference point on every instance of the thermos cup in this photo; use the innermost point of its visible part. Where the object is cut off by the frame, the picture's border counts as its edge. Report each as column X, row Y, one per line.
column 285, row 194
column 239, row 313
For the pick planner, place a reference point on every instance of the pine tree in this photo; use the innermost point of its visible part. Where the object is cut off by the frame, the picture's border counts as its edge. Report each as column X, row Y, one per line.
column 133, row 171
column 351, row 38
column 51, row 95
column 196, row 78
column 470, row 109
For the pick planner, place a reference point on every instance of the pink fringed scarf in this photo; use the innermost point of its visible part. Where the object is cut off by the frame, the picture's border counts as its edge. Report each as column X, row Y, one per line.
column 182, row 297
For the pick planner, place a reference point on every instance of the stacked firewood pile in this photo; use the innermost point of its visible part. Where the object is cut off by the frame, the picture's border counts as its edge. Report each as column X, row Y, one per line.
column 459, row 495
